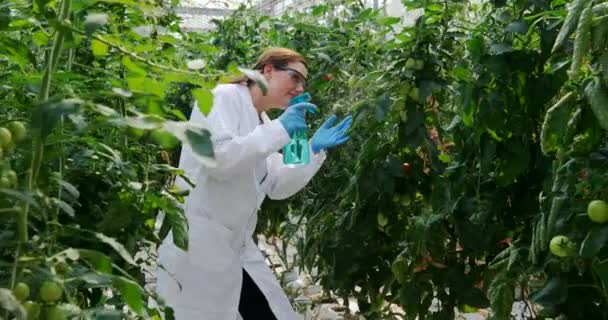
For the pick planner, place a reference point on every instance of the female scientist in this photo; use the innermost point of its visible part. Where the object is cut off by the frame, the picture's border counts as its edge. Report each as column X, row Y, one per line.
column 223, row 276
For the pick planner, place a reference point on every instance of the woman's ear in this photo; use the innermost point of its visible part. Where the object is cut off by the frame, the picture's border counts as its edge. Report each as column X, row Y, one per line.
column 267, row 70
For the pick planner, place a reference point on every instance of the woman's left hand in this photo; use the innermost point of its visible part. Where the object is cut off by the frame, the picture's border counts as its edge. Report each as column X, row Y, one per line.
column 328, row 137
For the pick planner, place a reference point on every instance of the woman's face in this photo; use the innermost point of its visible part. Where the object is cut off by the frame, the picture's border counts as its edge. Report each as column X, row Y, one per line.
column 285, row 83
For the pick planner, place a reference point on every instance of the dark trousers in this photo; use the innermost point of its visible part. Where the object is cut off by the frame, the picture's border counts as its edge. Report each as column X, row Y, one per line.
column 253, row 304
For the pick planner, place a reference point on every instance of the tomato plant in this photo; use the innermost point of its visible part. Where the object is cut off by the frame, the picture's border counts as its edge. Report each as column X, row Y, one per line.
column 478, row 146
column 495, row 109
column 80, row 199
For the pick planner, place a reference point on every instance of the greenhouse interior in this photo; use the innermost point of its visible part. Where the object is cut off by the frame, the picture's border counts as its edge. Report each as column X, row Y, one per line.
column 304, row 159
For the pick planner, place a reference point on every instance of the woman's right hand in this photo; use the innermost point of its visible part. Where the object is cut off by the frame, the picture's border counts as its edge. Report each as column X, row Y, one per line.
column 293, row 119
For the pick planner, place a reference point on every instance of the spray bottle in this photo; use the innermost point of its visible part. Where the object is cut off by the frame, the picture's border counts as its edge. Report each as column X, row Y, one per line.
column 297, row 151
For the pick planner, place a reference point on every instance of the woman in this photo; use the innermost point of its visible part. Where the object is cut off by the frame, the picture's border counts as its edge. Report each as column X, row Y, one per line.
column 223, row 276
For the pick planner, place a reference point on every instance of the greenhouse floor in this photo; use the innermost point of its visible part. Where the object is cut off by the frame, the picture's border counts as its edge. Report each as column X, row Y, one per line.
column 306, row 295
column 309, row 298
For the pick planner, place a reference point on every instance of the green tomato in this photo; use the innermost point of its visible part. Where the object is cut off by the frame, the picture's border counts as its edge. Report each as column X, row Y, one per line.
column 410, row 63
column 6, row 137
column 55, row 313
column 406, row 200
column 598, row 211
column 5, row 182
column 62, row 268
column 135, row 132
column 50, row 291
column 561, row 246
column 382, row 220
column 12, row 177
column 32, row 309
column 21, row 291
column 165, row 139
column 414, row 94
column 396, row 198
column 18, row 130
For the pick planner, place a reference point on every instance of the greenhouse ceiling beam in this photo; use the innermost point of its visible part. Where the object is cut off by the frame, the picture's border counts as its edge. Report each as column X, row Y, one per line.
column 204, row 11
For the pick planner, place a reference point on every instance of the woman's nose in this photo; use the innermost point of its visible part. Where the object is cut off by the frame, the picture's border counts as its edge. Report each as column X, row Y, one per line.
column 300, row 88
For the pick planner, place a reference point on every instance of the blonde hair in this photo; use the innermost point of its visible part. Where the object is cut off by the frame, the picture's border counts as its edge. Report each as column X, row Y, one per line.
column 279, row 57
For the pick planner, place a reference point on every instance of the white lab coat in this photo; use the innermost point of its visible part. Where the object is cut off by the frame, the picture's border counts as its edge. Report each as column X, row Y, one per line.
column 222, row 212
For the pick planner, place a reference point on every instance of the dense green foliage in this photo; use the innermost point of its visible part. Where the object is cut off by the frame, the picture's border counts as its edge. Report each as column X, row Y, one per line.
column 479, row 136
column 444, row 191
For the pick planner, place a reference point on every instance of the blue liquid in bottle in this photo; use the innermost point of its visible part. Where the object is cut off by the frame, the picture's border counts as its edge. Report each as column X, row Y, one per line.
column 297, row 151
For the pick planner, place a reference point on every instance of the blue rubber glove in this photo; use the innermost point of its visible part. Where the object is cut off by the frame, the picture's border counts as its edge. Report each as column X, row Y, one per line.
column 293, row 119
column 328, row 137
column 304, row 97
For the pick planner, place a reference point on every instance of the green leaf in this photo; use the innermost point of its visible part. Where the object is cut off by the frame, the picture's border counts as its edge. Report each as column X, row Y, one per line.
column 364, row 14
column 500, row 293
column 388, row 21
column 319, row 10
column 313, row 28
column 199, row 141
column 144, row 122
column 601, row 269
column 70, row 188
column 554, row 292
column 133, row 67
column 475, row 47
column 99, row 48
column 183, row 78
column 445, row 158
column 131, row 292
column 382, row 107
column 40, row 38
column 16, row 51
column 204, row 99
column 598, row 100
column 64, row 207
column 462, row 286
column 461, row 73
column 517, row 27
column 596, row 239
column 194, row 136
column 180, row 115
column 135, row 4
column 21, row 196
column 500, row 48
column 40, row 5
column 117, row 246
column 115, row 220
column 570, row 23
column 100, row 261
column 176, row 220
column 95, row 279
column 146, row 85
column 46, row 116
column 555, row 123
column 108, row 314
column 467, row 103
column 165, row 139
column 5, row 17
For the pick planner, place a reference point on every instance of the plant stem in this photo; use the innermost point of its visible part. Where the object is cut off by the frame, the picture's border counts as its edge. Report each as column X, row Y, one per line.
column 38, row 143
column 133, row 55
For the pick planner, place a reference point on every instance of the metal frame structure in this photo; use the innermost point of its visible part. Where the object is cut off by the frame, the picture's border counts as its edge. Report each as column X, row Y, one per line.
column 197, row 18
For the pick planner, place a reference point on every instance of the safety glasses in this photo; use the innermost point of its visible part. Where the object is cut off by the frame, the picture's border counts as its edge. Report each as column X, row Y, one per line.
column 294, row 74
